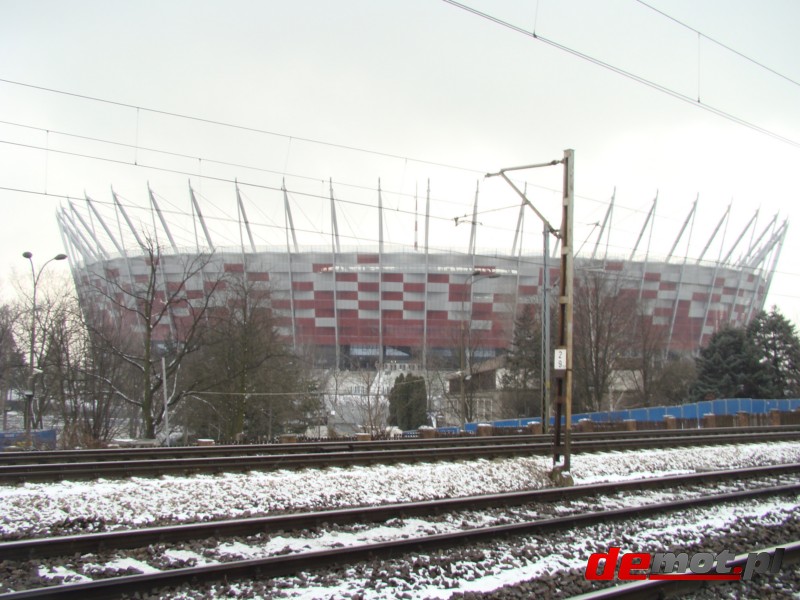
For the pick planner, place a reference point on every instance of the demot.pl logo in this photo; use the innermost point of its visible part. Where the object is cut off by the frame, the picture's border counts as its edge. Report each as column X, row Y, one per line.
column 633, row 566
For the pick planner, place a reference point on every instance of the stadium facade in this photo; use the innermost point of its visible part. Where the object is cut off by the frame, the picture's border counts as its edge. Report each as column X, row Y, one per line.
column 370, row 304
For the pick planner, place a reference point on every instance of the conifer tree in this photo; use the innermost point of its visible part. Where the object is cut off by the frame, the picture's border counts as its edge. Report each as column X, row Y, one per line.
column 778, row 347
column 728, row 367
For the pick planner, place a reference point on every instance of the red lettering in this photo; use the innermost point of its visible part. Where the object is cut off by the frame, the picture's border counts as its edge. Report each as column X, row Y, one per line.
column 609, row 567
column 627, row 565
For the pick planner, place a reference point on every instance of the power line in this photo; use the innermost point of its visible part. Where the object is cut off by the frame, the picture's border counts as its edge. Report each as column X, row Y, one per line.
column 237, row 126
column 638, row 78
column 720, row 44
column 269, row 188
column 137, row 163
column 227, row 163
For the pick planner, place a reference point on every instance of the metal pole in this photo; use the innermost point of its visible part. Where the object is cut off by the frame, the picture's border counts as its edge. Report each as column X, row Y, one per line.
column 545, row 372
column 31, row 380
column 463, row 356
column 28, row 416
column 566, row 299
column 166, row 408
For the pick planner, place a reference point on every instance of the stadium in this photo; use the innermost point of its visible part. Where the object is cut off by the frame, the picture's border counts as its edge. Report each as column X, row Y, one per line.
column 369, row 303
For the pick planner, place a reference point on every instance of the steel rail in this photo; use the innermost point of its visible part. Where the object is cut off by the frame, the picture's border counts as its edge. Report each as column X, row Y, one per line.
column 323, row 447
column 157, row 467
column 135, row 538
column 277, row 566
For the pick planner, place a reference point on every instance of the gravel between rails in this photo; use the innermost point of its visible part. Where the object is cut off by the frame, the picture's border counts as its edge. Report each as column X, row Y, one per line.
column 564, row 556
column 467, row 572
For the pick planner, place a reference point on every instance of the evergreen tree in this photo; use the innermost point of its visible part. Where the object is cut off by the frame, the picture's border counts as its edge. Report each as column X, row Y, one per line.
column 408, row 402
column 778, row 346
column 728, row 367
column 523, row 364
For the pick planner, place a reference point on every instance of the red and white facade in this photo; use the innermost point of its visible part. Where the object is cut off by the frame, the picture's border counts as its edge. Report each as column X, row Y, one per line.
column 414, row 304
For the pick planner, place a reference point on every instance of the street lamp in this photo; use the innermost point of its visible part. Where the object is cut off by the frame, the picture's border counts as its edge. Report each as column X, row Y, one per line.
column 35, row 275
column 468, row 283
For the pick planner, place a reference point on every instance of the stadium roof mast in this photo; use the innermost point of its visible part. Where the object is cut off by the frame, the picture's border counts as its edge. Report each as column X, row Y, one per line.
column 689, row 219
column 606, row 221
column 563, row 357
column 200, row 218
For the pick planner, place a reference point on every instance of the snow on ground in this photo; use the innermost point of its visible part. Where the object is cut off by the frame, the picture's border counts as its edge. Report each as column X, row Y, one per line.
column 661, row 532
column 35, row 509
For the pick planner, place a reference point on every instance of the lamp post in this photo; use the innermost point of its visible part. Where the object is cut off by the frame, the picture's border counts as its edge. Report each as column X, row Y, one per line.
column 35, row 275
column 464, row 363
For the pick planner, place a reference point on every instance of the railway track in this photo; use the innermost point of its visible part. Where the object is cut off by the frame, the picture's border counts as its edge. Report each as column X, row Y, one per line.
column 283, row 565
column 332, row 446
column 30, row 472
column 62, row 545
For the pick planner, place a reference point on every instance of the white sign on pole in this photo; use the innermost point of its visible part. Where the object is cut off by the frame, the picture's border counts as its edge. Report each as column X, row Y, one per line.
column 560, row 360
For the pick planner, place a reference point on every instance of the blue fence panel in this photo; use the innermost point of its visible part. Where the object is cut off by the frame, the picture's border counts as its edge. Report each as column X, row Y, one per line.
column 693, row 411
column 448, row 430
column 42, row 438
column 516, row 422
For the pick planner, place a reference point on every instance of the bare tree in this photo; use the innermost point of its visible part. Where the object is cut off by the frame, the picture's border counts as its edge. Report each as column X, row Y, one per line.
column 75, row 375
column 648, row 343
column 153, row 326
column 370, row 401
column 602, row 335
column 12, row 363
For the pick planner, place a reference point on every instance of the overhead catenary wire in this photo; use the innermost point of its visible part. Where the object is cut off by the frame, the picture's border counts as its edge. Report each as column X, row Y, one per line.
column 721, row 44
column 632, row 76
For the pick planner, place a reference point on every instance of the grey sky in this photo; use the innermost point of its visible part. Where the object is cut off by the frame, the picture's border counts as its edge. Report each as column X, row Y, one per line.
column 420, row 79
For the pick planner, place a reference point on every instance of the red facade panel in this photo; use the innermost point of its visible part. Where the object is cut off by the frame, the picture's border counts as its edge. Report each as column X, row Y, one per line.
column 368, row 304
column 438, row 278
column 414, row 287
column 458, row 292
column 411, row 305
column 369, row 286
column 481, row 310
column 397, row 277
column 233, row 267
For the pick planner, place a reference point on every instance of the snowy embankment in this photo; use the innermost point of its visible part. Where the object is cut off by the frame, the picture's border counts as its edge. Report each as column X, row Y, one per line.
column 39, row 509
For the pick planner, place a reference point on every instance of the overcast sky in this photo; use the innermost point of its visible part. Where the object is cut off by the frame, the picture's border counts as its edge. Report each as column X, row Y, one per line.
column 405, row 92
